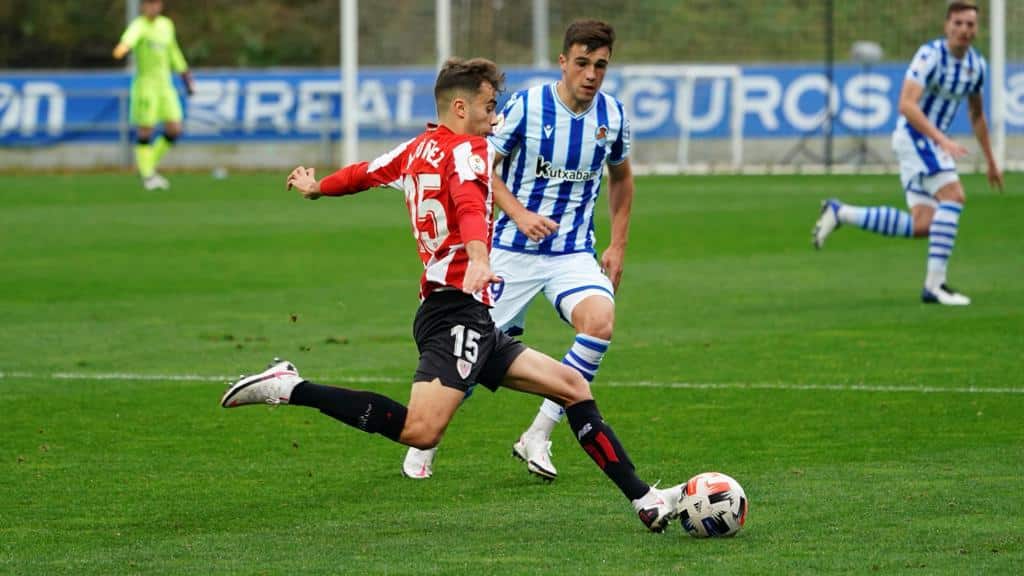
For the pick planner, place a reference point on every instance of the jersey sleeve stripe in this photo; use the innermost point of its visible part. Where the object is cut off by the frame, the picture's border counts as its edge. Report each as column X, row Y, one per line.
column 517, row 177
column 981, row 76
column 620, row 149
column 515, row 111
column 930, row 53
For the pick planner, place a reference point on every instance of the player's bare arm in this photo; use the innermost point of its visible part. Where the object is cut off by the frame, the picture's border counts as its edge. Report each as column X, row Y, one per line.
column 478, row 274
column 304, row 180
column 910, row 95
column 976, row 107
column 620, row 205
column 121, row 50
column 533, row 225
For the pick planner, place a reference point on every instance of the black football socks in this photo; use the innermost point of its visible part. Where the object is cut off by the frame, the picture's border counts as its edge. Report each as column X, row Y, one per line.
column 599, row 441
column 367, row 411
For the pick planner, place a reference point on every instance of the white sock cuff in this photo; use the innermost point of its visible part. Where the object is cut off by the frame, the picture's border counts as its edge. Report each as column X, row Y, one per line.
column 552, row 410
column 851, row 215
column 597, row 343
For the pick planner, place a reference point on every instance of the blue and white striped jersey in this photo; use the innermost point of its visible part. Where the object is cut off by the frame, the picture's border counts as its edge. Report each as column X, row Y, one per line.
column 554, row 160
column 946, row 80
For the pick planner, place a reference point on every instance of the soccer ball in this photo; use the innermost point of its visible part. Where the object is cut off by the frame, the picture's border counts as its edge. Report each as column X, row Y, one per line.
column 713, row 505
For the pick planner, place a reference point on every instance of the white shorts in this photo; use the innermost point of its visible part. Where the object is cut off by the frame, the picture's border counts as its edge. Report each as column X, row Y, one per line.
column 924, row 167
column 566, row 280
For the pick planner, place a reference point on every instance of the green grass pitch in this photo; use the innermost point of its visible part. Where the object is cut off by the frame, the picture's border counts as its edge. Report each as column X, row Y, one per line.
column 873, row 434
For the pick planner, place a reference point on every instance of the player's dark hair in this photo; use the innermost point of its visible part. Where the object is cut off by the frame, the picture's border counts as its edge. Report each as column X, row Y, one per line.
column 959, row 6
column 593, row 34
column 458, row 75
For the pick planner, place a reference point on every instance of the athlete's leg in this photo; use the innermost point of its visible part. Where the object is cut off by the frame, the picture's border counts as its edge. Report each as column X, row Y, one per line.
column 922, row 215
column 536, row 373
column 917, row 159
column 431, row 407
column 539, row 374
column 583, row 296
column 511, row 299
column 422, row 423
column 164, row 142
column 280, row 383
column 145, row 115
column 942, row 233
column 884, row 220
column 593, row 318
column 144, row 159
column 419, row 462
column 172, row 129
column 170, row 113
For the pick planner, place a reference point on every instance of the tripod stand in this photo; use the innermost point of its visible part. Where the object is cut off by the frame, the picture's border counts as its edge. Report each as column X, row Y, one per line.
column 823, row 126
column 866, row 53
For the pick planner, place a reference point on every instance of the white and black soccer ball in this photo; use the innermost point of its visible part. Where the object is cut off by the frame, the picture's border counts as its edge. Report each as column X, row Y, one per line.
column 713, row 505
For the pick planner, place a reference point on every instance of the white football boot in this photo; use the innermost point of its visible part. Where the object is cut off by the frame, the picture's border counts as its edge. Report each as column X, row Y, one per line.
column 419, row 464
column 162, row 182
column 658, row 507
column 827, row 222
column 155, row 182
column 944, row 295
column 536, row 452
column 272, row 386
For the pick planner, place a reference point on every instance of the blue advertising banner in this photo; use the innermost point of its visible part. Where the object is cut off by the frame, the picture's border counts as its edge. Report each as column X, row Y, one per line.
column 777, row 101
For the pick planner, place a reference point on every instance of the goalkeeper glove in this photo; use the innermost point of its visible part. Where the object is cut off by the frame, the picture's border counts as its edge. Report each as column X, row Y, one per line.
column 190, row 84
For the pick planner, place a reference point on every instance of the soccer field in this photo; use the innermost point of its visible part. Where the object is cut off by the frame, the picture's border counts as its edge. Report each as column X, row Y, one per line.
column 872, row 433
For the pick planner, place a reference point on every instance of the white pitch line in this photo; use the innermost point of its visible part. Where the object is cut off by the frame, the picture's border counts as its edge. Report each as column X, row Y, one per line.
column 826, row 387
column 116, row 376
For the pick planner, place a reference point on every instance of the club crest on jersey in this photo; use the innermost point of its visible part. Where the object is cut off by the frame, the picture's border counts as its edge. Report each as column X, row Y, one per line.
column 477, row 164
column 463, row 367
column 601, row 135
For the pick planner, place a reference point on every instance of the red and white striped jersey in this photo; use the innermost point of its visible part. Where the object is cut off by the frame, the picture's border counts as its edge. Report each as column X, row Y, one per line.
column 446, row 178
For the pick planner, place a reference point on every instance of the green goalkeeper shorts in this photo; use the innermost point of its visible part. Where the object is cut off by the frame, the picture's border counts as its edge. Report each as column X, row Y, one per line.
column 153, row 104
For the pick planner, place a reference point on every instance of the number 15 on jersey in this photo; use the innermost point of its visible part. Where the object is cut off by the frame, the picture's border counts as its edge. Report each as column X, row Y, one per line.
column 429, row 221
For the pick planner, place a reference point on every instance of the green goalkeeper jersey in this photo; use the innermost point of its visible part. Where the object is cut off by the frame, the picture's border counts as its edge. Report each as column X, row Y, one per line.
column 156, row 49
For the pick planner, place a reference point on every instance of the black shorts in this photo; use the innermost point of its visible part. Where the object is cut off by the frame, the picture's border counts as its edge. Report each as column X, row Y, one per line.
column 459, row 343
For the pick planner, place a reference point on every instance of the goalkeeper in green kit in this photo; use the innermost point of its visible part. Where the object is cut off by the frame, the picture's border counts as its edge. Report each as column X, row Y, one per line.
column 153, row 98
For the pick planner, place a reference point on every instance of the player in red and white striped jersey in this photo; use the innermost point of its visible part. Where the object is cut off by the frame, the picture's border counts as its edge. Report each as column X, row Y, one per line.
column 447, row 182
column 445, row 173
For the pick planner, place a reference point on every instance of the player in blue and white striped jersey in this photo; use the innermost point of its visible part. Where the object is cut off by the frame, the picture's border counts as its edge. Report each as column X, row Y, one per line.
column 553, row 160
column 942, row 74
column 552, row 147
